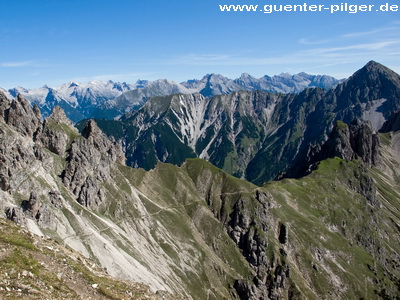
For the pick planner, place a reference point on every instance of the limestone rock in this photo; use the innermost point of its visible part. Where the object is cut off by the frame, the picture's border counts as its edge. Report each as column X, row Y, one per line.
column 59, row 116
column 21, row 116
column 89, row 163
column 354, row 141
column 4, row 105
column 58, row 132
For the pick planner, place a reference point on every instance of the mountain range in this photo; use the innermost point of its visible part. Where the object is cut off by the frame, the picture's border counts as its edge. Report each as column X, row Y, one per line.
column 193, row 231
column 98, row 99
column 253, row 135
column 328, row 229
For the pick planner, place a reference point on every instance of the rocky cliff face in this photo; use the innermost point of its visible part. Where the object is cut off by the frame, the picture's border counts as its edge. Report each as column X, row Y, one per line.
column 89, row 163
column 354, row 141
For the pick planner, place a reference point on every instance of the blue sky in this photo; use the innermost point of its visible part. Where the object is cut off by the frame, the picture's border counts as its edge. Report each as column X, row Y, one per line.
column 56, row 41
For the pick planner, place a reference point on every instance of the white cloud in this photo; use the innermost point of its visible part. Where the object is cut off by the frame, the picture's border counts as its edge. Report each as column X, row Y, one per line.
column 372, row 32
column 17, row 64
column 363, row 47
column 320, row 55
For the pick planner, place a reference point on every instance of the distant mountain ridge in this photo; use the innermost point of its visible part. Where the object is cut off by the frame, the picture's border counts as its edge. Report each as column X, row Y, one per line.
column 108, row 99
column 254, row 135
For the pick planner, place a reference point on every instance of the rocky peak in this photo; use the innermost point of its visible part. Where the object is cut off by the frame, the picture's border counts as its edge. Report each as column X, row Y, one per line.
column 374, row 66
column 365, row 142
column 58, row 132
column 21, row 116
column 89, row 165
column 373, row 81
column 4, row 105
column 59, row 116
column 91, row 130
column 101, row 143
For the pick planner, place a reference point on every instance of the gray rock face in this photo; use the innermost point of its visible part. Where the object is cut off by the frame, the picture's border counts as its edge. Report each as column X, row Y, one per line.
column 59, row 116
column 248, row 230
column 89, row 162
column 57, row 132
column 14, row 156
column 20, row 114
column 101, row 143
column 357, row 140
column 392, row 124
column 4, row 105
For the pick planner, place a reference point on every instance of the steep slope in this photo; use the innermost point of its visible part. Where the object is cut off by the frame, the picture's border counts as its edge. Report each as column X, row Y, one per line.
column 198, row 232
column 226, row 130
column 35, row 268
column 253, row 135
column 137, row 225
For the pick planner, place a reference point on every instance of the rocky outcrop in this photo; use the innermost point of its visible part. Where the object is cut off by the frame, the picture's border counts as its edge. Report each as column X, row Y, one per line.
column 358, row 140
column 90, row 160
column 392, row 124
column 14, row 156
column 58, row 132
column 249, row 230
column 21, row 116
column 4, row 105
column 354, row 141
column 247, row 219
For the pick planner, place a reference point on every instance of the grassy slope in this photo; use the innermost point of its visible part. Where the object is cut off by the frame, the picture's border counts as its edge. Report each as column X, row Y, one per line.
column 173, row 203
column 336, row 238
column 339, row 245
